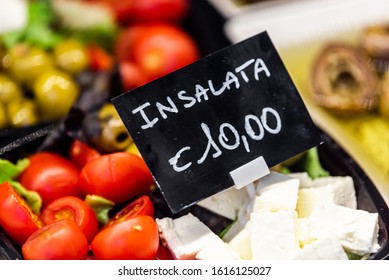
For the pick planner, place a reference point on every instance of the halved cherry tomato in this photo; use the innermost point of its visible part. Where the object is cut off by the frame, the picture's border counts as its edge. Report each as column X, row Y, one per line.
column 140, row 206
column 16, row 217
column 80, row 153
column 52, row 176
column 134, row 239
column 71, row 207
column 61, row 240
column 152, row 10
column 117, row 176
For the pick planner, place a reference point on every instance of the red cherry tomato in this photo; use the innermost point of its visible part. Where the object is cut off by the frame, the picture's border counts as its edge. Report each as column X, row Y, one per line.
column 163, row 48
column 150, row 10
column 139, row 207
column 80, row 153
column 71, row 207
column 157, row 48
column 134, row 239
column 61, row 240
column 99, row 59
column 52, row 176
column 125, row 41
column 117, row 176
column 16, row 217
column 163, row 253
column 131, row 75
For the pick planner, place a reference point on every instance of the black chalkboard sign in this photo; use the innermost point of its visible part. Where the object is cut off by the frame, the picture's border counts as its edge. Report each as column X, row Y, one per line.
column 196, row 125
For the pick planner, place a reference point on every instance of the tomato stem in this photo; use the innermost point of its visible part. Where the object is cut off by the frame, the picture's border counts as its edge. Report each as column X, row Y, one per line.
column 32, row 198
column 101, row 206
column 9, row 172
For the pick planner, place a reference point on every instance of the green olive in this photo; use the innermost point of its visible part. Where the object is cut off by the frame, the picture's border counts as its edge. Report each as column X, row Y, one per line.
column 2, row 54
column 114, row 136
column 55, row 92
column 3, row 116
column 26, row 63
column 22, row 112
column 71, row 56
column 9, row 89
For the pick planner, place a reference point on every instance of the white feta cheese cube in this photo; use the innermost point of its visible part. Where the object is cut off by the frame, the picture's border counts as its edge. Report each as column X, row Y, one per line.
column 356, row 230
column 305, row 180
column 273, row 235
column 186, row 236
column 243, row 217
column 331, row 180
column 326, row 248
column 276, row 192
column 225, row 203
column 273, row 192
column 241, row 242
column 303, row 232
column 217, row 250
column 332, row 190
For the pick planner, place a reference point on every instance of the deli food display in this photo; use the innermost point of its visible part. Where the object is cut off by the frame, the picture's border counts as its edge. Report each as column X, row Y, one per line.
column 308, row 208
column 73, row 184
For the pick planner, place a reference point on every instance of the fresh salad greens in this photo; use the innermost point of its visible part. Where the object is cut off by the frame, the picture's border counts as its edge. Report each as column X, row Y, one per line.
column 43, row 29
column 308, row 162
column 38, row 30
column 312, row 165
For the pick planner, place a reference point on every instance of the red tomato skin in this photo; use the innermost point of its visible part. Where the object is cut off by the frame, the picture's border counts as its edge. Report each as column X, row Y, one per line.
column 80, row 153
column 99, row 58
column 150, row 10
column 133, row 239
column 61, row 240
column 118, row 176
column 139, row 207
column 125, row 40
column 163, row 253
column 16, row 217
column 131, row 75
column 163, row 48
column 156, row 48
column 52, row 176
column 71, row 207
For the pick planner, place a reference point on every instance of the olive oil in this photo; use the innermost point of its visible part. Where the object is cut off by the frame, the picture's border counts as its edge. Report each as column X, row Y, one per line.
column 365, row 137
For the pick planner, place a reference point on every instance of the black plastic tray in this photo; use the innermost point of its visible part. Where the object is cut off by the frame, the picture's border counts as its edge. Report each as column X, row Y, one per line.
column 206, row 25
column 332, row 157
